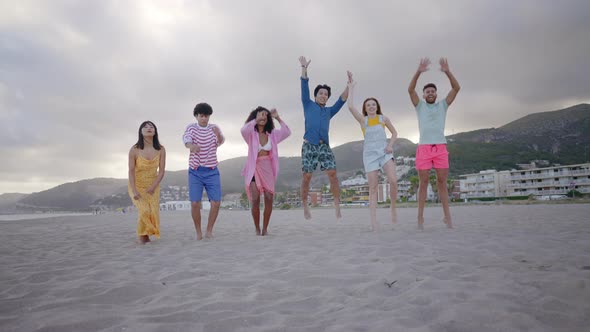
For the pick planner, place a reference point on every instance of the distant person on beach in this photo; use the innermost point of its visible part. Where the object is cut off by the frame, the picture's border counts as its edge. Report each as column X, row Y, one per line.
column 262, row 166
column 432, row 149
column 316, row 146
column 377, row 151
column 147, row 164
column 203, row 139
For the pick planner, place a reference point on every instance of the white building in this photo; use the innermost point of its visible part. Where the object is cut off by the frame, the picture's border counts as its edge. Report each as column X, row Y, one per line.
column 182, row 206
column 409, row 161
column 231, row 200
column 403, row 188
column 356, row 181
column 557, row 180
column 485, row 184
column 547, row 181
column 430, row 195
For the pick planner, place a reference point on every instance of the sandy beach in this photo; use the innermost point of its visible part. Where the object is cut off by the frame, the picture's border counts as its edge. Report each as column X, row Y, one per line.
column 503, row 268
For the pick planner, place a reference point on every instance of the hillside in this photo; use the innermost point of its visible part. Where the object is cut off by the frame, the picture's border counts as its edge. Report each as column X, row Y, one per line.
column 561, row 136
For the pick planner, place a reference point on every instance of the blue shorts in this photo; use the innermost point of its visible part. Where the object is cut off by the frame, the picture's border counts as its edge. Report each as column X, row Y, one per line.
column 204, row 177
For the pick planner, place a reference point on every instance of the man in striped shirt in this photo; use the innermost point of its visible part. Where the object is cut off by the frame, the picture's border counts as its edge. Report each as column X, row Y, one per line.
column 202, row 139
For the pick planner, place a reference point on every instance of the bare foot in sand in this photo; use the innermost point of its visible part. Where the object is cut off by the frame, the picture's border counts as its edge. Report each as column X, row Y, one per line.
column 338, row 214
column 448, row 222
column 421, row 224
column 306, row 212
column 144, row 239
column 257, row 231
column 209, row 235
column 264, row 232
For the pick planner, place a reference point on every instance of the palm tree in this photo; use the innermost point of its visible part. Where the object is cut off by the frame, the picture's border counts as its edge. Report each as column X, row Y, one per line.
column 450, row 187
column 414, row 184
column 244, row 200
column 432, row 181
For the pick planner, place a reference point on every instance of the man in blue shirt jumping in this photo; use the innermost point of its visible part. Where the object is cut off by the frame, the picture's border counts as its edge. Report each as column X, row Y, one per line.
column 316, row 145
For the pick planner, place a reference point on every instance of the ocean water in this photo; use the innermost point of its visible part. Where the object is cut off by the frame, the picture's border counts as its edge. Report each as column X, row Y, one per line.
column 27, row 216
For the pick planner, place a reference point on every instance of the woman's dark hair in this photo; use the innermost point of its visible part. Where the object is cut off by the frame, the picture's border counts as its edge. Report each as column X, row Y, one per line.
column 429, row 85
column 322, row 86
column 365, row 106
column 203, row 108
column 156, row 141
column 269, row 126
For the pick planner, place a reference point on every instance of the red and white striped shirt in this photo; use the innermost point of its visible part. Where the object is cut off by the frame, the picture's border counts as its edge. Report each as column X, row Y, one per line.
column 206, row 139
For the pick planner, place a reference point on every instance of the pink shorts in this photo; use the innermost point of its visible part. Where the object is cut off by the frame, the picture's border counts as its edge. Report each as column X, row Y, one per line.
column 432, row 155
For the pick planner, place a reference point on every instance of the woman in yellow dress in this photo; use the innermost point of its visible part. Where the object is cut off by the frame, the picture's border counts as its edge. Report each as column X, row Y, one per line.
column 147, row 163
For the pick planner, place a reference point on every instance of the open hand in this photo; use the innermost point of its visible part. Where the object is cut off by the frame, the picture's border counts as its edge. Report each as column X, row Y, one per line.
column 351, row 83
column 304, row 62
column 216, row 130
column 444, row 65
column 195, row 148
column 274, row 113
column 424, row 63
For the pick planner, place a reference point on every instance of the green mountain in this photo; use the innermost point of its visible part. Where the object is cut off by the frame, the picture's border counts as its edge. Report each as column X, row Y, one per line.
column 561, row 136
column 74, row 195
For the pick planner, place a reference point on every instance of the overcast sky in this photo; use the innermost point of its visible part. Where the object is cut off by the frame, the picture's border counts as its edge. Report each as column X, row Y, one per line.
column 78, row 77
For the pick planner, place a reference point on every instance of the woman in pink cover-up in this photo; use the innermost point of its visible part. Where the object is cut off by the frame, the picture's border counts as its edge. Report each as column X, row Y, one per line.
column 262, row 166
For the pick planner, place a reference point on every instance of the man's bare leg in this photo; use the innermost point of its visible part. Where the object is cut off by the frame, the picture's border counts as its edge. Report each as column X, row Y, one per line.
column 212, row 218
column 196, row 214
column 373, row 177
column 389, row 169
column 335, row 189
column 304, row 192
column 423, row 174
column 443, row 193
column 268, row 199
column 255, row 209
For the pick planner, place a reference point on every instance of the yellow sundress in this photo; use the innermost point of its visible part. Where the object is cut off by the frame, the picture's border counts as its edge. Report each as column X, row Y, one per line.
column 148, row 206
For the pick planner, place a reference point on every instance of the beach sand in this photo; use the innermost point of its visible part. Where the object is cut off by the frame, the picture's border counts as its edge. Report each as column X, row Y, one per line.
column 503, row 268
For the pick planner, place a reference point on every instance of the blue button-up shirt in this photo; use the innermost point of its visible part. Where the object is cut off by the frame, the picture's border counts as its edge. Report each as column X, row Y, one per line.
column 317, row 118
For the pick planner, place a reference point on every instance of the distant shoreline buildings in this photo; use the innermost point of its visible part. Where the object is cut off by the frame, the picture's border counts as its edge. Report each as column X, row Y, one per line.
column 548, row 181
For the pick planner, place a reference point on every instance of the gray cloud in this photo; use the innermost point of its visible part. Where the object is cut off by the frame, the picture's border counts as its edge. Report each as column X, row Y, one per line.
column 77, row 79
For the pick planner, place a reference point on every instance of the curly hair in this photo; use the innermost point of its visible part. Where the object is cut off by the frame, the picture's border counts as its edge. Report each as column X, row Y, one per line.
column 270, row 125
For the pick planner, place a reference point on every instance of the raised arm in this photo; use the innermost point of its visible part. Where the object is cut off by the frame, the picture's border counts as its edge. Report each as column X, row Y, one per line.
column 358, row 116
column 455, row 87
column 389, row 125
column 247, row 129
column 344, row 95
column 304, row 64
column 284, row 131
column 161, row 171
column 424, row 63
column 305, row 98
column 132, row 157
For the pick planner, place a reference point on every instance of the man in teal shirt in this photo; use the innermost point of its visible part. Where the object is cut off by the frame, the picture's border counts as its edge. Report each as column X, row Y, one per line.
column 316, row 144
column 432, row 148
